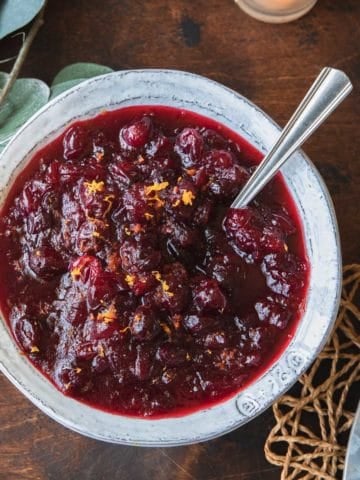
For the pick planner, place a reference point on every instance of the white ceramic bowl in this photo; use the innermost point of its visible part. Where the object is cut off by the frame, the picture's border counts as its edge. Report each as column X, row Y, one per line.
column 181, row 89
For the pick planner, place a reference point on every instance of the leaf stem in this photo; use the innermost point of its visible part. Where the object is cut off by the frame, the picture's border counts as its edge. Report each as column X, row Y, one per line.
column 39, row 20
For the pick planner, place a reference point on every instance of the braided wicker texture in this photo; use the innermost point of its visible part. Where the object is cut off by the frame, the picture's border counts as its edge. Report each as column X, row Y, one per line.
column 312, row 424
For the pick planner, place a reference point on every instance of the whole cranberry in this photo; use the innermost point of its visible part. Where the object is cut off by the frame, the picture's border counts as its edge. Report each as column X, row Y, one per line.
column 197, row 323
column 285, row 273
column 277, row 216
column 160, row 145
column 72, row 378
column 207, row 296
column 101, row 287
column 136, row 135
column 95, row 203
column 32, row 195
column 213, row 139
column 92, row 169
column 189, row 146
column 273, row 310
column 226, row 177
column 27, row 333
column 240, row 218
column 136, row 204
column 172, row 293
column 139, row 256
column 143, row 283
column 180, row 234
column 124, row 172
column 251, row 236
column 166, row 168
column 76, row 143
column 227, row 269
column 46, row 262
column 217, row 160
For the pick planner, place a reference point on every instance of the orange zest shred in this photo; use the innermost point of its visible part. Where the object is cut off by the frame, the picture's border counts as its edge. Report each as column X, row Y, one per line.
column 127, row 231
column 78, row 370
column 94, row 186
column 187, row 197
column 191, row 171
column 179, row 179
column 140, row 159
column 176, row 203
column 151, row 192
column 96, row 221
column 166, row 328
column 123, row 330
column 137, row 317
column 34, row 349
column 108, row 315
column 75, row 272
column 159, row 202
column 101, row 351
column 155, row 187
column 109, row 200
column 148, row 215
column 130, row 280
column 99, row 156
column 164, row 284
column 96, row 234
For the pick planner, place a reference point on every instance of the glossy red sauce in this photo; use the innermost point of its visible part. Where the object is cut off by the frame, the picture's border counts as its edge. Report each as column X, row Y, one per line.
column 119, row 278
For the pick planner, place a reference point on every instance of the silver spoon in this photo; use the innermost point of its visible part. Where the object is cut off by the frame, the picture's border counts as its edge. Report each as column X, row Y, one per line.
column 329, row 89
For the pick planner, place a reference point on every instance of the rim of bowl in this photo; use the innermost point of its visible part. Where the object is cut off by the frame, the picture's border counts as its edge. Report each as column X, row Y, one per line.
column 246, row 404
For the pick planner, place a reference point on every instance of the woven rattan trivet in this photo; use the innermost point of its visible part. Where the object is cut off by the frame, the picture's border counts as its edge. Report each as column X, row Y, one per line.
column 312, row 425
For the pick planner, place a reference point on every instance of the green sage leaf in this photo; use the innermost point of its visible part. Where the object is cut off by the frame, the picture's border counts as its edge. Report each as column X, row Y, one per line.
column 80, row 71
column 15, row 14
column 25, row 98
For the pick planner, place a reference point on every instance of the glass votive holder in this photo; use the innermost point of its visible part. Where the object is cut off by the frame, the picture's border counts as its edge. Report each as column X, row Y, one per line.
column 276, row 11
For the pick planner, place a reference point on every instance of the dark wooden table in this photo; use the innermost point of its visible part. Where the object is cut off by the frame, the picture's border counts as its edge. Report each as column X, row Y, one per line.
column 271, row 65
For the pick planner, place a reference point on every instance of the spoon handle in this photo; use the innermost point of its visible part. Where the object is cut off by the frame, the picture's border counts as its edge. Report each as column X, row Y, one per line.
column 327, row 92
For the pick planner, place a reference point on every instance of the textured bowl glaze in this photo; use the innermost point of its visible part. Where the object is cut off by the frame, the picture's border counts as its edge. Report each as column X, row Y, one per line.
column 181, row 89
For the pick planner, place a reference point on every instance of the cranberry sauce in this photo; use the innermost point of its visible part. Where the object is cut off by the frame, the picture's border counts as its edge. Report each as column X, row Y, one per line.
column 122, row 282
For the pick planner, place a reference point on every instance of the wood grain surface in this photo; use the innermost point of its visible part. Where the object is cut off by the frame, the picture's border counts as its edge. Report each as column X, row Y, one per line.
column 273, row 66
